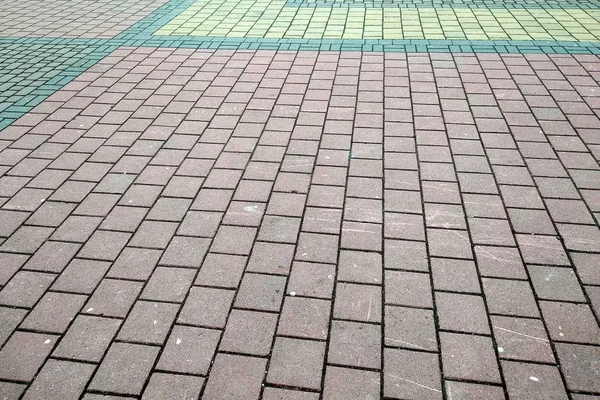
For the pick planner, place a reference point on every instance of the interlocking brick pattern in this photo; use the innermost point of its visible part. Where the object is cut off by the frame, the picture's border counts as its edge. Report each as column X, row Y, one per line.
column 72, row 19
column 282, row 225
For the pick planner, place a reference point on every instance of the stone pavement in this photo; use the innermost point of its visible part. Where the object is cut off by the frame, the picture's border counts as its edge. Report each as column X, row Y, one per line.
column 279, row 200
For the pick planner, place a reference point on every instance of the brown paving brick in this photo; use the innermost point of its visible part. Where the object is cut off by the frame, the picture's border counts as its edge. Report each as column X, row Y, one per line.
column 168, row 284
column 54, row 312
column 296, row 363
column 24, row 354
column 60, row 379
column 27, row 239
column 409, row 328
column 408, row 289
column 570, row 322
column 189, row 350
column 148, row 322
column 310, row 279
column 580, row 366
column 206, row 307
column 455, row 275
column 87, row 338
column 317, row 247
column 518, row 302
column 271, row 258
column 25, row 288
column 555, row 283
column 414, row 375
column 473, row 391
column 461, row 313
column 469, row 357
column 355, row 344
column 104, row 245
column 345, row 383
column 185, row 252
column 10, row 318
column 530, row 381
column 133, row 360
column 113, row 298
column 246, row 372
column 52, row 257
column 221, row 270
column 249, row 332
column 9, row 390
column 273, row 393
column 163, row 385
column 234, row 240
column 357, row 302
column 261, row 292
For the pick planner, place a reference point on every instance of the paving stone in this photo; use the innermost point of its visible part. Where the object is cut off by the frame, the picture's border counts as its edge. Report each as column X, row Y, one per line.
column 411, row 374
column 461, row 313
column 133, row 360
column 522, row 339
column 472, row 391
column 531, row 381
column 305, row 318
column 345, row 383
column 185, row 252
column 358, row 302
column 580, row 366
column 469, row 357
column 104, row 245
column 87, row 338
column 180, row 386
column 206, row 307
column 296, row 363
column 273, row 393
column 261, row 292
column 311, row 280
column 234, row 377
column 189, row 350
column 411, row 328
column 60, row 379
column 54, row 312
column 168, row 284
column 554, row 283
column 355, row 344
column 249, row 332
column 519, row 302
column 221, row 270
column 271, row 258
column 25, row 288
column 148, row 322
column 9, row 390
column 113, row 298
column 455, row 275
column 24, row 354
column 408, row 289
column 154, row 234
column 10, row 318
column 570, row 322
